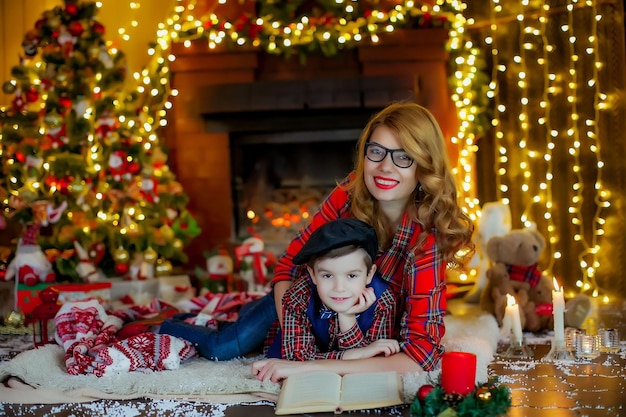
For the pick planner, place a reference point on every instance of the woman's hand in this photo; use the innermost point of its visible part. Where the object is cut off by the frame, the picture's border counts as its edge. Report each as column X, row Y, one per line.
column 276, row 370
column 386, row 347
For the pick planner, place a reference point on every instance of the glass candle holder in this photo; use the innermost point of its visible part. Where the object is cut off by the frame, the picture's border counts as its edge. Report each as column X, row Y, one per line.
column 587, row 346
column 609, row 340
column 570, row 337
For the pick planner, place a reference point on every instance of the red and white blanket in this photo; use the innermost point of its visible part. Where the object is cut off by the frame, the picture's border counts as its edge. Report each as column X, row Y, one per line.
column 213, row 308
column 102, row 343
column 88, row 336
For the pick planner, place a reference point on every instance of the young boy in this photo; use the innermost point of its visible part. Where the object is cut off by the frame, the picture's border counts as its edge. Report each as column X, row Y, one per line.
column 341, row 309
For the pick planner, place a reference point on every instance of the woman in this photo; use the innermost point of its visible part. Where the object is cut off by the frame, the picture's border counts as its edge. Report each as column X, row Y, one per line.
column 402, row 185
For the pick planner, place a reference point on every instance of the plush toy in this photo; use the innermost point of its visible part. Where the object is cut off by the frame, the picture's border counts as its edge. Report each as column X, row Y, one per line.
column 514, row 270
column 495, row 220
column 30, row 265
column 537, row 311
column 220, row 267
column 86, row 267
column 253, row 263
column 118, row 166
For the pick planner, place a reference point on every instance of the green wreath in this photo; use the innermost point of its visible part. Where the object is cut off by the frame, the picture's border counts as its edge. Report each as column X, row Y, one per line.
column 486, row 400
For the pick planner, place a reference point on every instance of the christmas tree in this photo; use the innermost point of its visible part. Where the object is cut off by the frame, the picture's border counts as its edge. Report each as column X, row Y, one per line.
column 82, row 167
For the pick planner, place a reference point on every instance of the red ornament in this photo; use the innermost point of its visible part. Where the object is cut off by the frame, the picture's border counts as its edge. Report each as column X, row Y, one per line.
column 63, row 185
column 51, row 181
column 19, row 155
column 75, row 28
column 98, row 28
column 423, row 391
column 121, row 269
column 32, row 95
column 134, row 167
column 96, row 252
column 66, row 102
column 71, row 9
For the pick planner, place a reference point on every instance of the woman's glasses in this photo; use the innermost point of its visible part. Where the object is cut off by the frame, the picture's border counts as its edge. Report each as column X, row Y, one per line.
column 376, row 153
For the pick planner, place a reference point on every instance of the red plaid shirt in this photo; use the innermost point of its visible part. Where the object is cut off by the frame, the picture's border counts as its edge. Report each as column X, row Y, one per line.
column 416, row 281
column 299, row 342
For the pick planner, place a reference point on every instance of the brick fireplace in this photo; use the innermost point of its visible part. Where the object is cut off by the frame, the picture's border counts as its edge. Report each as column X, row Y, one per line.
column 252, row 131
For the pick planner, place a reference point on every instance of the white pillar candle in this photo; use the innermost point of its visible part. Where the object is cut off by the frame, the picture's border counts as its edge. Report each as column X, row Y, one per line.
column 558, row 310
column 512, row 312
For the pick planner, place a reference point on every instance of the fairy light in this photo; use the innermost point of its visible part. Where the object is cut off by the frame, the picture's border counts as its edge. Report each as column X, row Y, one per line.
column 525, row 163
column 545, row 121
column 465, row 54
column 133, row 22
column 588, row 258
column 501, row 156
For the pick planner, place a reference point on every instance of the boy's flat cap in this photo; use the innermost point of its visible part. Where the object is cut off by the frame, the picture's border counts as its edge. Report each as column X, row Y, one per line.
column 336, row 234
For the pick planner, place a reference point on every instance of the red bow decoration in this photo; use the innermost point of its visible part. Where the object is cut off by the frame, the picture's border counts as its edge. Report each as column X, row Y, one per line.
column 544, row 309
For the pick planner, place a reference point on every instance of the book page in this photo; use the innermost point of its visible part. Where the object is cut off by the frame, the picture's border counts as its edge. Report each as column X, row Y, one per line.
column 309, row 392
column 370, row 390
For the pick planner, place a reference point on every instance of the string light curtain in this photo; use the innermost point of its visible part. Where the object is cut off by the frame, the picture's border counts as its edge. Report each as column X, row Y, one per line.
column 558, row 75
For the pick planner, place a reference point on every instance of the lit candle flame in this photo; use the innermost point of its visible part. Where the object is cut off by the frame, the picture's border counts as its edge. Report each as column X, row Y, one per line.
column 510, row 300
column 556, row 285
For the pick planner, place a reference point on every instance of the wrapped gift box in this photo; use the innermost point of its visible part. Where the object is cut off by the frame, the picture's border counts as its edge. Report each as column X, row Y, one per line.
column 139, row 291
column 172, row 289
column 28, row 296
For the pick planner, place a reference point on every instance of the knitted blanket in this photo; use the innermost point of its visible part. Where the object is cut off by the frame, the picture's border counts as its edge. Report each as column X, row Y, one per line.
column 88, row 337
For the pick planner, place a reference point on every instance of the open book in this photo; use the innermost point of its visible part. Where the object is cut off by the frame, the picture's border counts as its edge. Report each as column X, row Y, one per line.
column 329, row 392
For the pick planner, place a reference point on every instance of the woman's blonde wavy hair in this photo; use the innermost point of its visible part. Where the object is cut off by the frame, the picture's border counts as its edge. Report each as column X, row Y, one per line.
column 435, row 206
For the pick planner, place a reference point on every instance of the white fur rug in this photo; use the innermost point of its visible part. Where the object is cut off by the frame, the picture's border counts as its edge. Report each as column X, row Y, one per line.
column 45, row 380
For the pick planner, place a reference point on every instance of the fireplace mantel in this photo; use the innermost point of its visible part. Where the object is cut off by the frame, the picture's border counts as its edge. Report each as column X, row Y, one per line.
column 223, row 90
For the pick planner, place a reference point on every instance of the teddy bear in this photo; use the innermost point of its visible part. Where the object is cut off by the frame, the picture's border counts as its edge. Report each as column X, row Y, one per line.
column 537, row 311
column 514, row 256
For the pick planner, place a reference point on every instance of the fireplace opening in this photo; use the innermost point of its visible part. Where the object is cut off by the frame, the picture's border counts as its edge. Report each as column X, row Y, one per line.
column 290, row 142
column 280, row 176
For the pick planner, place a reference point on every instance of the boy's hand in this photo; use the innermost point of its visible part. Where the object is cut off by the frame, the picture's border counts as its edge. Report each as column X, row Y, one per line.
column 386, row 347
column 366, row 300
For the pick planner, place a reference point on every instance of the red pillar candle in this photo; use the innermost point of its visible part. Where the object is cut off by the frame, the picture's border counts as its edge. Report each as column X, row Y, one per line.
column 458, row 372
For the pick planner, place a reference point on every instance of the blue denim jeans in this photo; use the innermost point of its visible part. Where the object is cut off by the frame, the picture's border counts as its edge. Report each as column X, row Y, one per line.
column 232, row 339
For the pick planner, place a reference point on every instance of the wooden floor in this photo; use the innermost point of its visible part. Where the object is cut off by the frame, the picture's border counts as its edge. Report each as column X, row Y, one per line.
column 539, row 389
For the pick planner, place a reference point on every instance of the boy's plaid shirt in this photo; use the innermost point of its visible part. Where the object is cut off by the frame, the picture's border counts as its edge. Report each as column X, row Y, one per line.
column 299, row 342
